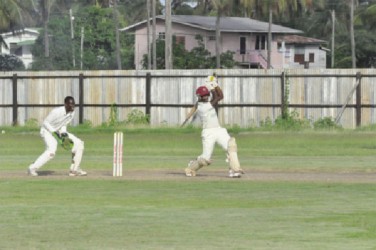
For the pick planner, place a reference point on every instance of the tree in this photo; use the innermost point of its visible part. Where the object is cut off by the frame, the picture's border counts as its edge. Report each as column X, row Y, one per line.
column 100, row 42
column 197, row 58
column 15, row 13
column 274, row 7
column 11, row 63
column 221, row 6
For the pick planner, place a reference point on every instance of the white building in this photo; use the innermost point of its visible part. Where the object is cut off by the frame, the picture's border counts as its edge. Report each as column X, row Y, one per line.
column 19, row 44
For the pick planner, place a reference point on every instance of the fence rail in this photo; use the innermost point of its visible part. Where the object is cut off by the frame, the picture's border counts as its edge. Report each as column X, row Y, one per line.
column 155, row 93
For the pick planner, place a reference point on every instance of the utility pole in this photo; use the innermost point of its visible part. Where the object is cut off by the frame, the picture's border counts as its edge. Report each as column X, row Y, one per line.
column 71, row 17
column 82, row 46
column 148, row 33
column 333, row 35
column 168, row 39
column 154, row 35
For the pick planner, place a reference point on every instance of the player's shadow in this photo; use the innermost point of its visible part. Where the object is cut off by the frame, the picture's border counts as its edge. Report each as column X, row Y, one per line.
column 45, row 172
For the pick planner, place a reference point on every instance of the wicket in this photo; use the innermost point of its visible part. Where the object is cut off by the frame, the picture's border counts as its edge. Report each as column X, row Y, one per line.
column 117, row 169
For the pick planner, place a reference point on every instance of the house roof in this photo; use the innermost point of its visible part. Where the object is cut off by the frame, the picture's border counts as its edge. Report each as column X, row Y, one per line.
column 295, row 39
column 227, row 24
column 18, row 32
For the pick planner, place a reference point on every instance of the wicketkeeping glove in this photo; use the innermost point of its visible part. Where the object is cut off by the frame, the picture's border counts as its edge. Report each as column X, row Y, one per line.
column 63, row 140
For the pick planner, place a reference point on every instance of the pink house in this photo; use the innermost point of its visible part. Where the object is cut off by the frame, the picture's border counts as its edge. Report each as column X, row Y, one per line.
column 246, row 37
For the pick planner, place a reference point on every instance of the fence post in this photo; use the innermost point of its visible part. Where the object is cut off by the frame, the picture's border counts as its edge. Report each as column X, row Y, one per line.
column 81, row 98
column 283, row 104
column 148, row 94
column 359, row 100
column 15, row 102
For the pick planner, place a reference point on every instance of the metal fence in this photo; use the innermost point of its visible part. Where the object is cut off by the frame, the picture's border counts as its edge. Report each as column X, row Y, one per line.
column 250, row 96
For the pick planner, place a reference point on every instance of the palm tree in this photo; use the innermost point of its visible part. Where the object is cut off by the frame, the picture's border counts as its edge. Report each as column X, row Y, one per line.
column 13, row 16
column 258, row 9
column 221, row 6
column 15, row 13
column 45, row 8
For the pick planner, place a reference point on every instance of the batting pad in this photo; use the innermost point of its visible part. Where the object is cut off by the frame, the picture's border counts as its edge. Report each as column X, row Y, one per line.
column 233, row 155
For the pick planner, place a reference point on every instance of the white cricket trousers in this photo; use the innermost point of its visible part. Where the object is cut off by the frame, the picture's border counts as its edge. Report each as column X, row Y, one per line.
column 211, row 136
column 51, row 147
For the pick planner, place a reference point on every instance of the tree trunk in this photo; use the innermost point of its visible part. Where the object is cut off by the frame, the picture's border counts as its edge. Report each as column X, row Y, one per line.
column 154, row 35
column 148, row 33
column 270, row 37
column 333, row 36
column 218, row 40
column 168, row 41
column 46, row 40
column 118, row 57
column 352, row 36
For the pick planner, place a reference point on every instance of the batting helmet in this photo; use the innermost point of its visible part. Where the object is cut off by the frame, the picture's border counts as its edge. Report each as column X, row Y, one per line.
column 202, row 91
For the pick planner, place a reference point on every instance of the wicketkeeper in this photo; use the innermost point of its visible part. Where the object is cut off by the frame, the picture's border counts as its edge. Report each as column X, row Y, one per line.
column 54, row 131
column 212, row 133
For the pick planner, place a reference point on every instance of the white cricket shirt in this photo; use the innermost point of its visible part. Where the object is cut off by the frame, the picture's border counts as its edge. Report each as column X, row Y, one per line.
column 208, row 115
column 58, row 119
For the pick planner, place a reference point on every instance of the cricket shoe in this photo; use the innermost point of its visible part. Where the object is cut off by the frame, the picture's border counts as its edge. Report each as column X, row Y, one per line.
column 32, row 172
column 233, row 174
column 189, row 172
column 78, row 172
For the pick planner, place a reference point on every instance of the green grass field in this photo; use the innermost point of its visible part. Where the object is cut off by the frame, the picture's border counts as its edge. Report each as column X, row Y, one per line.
column 211, row 211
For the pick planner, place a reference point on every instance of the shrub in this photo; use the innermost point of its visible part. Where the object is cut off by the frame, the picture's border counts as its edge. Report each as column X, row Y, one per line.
column 137, row 117
column 10, row 63
column 326, row 123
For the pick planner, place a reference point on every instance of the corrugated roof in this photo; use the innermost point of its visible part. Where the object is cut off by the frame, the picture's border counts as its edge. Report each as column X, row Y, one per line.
column 295, row 39
column 26, row 42
column 227, row 24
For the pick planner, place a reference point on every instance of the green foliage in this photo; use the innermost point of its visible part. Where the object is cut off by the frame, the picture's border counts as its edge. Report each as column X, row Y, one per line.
column 113, row 120
column 32, row 123
column 291, row 121
column 326, row 123
column 10, row 62
column 86, row 124
column 285, row 108
column 60, row 47
column 99, row 43
column 197, row 58
column 137, row 117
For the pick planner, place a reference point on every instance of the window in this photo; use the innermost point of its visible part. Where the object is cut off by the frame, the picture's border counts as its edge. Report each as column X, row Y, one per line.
column 279, row 46
column 211, row 38
column 15, row 49
column 299, row 58
column 311, row 57
column 261, row 42
column 162, row 35
column 243, row 48
column 180, row 40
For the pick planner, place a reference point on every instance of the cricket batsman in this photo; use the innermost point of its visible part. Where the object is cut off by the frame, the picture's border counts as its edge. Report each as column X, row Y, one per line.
column 54, row 131
column 212, row 133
